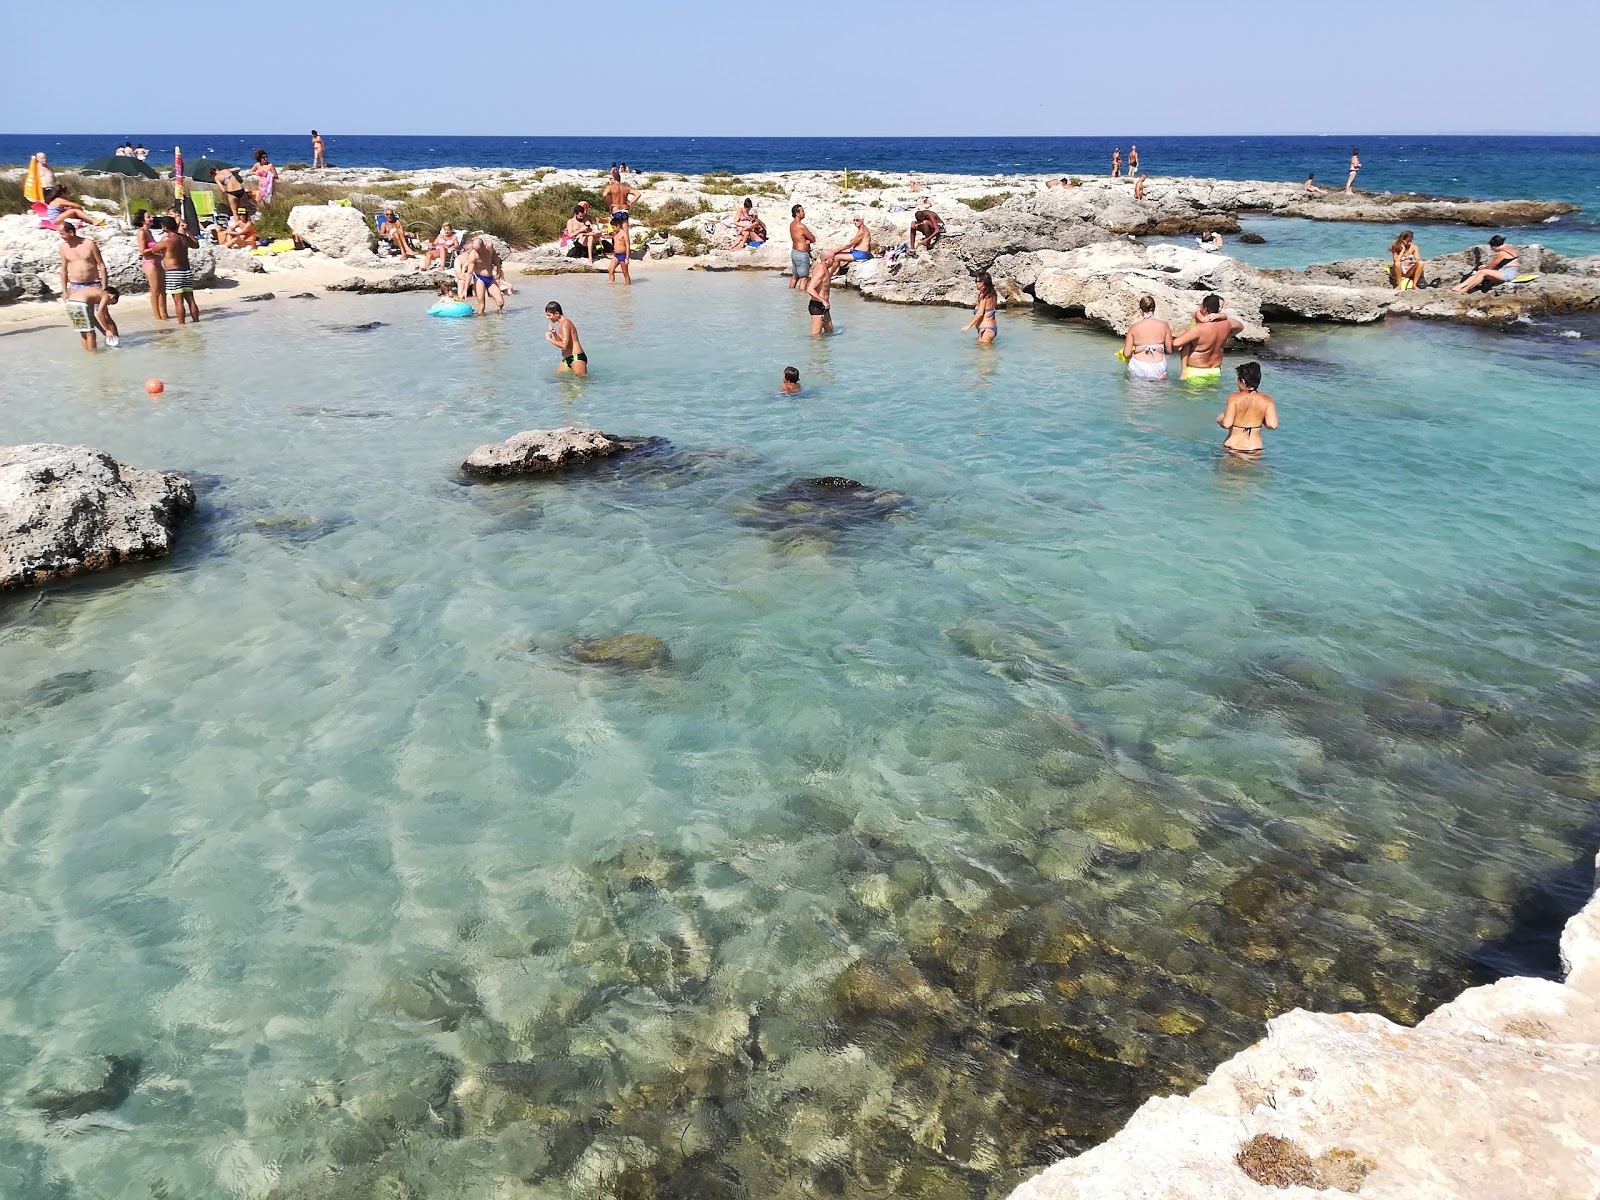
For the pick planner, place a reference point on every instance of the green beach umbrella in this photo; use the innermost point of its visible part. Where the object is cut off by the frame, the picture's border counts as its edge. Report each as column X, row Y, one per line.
column 200, row 168
column 121, row 164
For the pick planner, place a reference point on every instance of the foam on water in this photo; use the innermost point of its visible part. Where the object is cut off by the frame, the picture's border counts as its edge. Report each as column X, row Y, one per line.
column 950, row 832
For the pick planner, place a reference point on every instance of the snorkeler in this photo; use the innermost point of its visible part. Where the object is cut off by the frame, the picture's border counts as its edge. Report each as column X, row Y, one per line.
column 1248, row 412
column 563, row 335
column 1201, row 344
column 791, row 380
column 1148, row 342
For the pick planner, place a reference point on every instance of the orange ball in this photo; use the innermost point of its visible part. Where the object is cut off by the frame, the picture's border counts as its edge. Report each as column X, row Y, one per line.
column 154, row 386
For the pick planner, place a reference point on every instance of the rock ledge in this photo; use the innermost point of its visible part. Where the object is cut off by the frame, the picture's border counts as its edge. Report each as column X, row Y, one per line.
column 536, row 451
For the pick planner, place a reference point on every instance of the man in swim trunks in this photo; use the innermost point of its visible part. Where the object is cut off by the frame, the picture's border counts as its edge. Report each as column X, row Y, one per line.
column 618, row 196
column 818, row 285
column 1249, row 411
column 84, row 280
column 485, row 273
column 392, row 231
column 621, row 240
column 173, row 251
column 563, row 335
column 1201, row 344
column 926, row 222
column 859, row 247
column 801, row 239
column 1138, row 188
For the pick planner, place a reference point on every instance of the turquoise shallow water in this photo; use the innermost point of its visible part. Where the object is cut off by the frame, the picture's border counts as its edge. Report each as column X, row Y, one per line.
column 952, row 830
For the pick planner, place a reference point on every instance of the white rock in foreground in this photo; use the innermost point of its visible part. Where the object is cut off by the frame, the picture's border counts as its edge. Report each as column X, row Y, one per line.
column 65, row 510
column 1496, row 1094
column 538, row 450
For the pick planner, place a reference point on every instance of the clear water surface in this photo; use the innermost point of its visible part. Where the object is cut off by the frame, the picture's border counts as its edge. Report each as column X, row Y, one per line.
column 958, row 823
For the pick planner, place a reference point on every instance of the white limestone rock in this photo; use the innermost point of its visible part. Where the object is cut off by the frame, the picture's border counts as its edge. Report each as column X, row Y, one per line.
column 332, row 229
column 537, row 451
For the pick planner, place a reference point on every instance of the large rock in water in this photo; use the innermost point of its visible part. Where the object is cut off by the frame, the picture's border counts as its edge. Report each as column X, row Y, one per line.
column 65, row 510
column 333, row 229
column 536, row 451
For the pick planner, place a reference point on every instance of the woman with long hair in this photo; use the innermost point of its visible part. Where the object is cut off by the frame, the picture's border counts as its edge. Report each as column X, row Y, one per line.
column 1406, row 265
column 144, row 236
column 266, row 178
column 983, row 314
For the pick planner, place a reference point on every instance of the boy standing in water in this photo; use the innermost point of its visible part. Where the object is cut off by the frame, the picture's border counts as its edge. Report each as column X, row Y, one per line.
column 1248, row 412
column 563, row 335
column 621, row 239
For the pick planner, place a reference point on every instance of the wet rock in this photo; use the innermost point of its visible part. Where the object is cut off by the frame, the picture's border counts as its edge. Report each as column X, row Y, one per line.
column 629, row 651
column 59, row 688
column 66, row 510
column 435, row 996
column 300, row 530
column 303, row 296
column 74, row 1088
column 409, row 281
column 257, row 298
column 538, row 451
column 822, row 506
column 1252, row 239
column 364, row 327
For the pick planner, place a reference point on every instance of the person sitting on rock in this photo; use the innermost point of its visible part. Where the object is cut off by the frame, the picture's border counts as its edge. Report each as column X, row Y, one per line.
column 753, row 233
column 859, row 247
column 1405, row 269
column 392, row 231
column 58, row 209
column 1505, row 264
column 927, row 222
column 1211, row 242
column 1310, row 186
column 1138, row 188
column 444, row 244
column 579, row 235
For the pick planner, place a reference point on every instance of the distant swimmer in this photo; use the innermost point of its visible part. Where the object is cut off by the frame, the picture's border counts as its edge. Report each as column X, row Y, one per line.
column 1249, row 411
column 1133, row 161
column 563, row 335
column 1148, row 343
column 818, row 286
column 1505, row 264
column 1310, row 185
column 621, row 240
column 859, row 247
column 85, row 280
column 619, row 197
column 1406, row 265
column 801, row 239
column 1201, row 344
column 926, row 222
column 1355, row 165
column 1116, row 163
column 983, row 313
column 791, row 380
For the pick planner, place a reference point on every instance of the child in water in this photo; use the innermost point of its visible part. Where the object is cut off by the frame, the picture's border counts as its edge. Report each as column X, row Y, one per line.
column 1249, row 411
column 791, row 380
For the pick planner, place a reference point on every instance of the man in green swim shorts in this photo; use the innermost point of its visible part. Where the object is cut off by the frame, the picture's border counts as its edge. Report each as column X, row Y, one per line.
column 1201, row 344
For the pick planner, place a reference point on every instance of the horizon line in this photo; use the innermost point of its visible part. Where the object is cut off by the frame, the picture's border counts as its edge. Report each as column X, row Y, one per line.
column 837, row 136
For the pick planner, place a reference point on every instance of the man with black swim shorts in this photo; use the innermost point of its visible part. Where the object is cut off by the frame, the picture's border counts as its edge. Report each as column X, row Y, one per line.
column 619, row 197
column 818, row 284
column 563, row 335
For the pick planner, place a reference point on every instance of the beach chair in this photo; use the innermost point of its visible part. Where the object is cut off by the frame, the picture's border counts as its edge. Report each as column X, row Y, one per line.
column 205, row 207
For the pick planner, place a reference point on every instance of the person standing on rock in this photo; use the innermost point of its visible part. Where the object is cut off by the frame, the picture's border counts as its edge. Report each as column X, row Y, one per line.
column 1138, row 186
column 801, row 239
column 173, row 251
column 84, row 280
column 1249, row 411
column 316, row 150
column 1355, row 165
column 1116, row 163
column 1147, row 344
column 818, row 285
column 1201, row 344
column 619, row 197
column 563, row 335
column 1133, row 161
column 926, row 222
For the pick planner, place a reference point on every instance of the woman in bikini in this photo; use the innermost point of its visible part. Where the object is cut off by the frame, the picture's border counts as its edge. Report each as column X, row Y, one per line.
column 1505, row 264
column 1249, row 411
column 1148, row 343
column 144, row 236
column 1355, row 165
column 983, row 313
column 266, row 178
column 1406, row 268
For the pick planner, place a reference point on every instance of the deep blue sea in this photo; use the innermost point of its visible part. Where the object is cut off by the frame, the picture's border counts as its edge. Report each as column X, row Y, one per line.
column 1557, row 168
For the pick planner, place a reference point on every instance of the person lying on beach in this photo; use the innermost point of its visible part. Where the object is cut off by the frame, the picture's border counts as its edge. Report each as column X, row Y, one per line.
column 1505, row 264
column 173, row 251
column 240, row 233
column 579, row 232
column 1405, row 267
column 818, row 285
column 801, row 239
column 926, row 222
column 487, row 274
column 84, row 280
column 1147, row 344
column 621, row 242
column 563, row 335
column 791, row 380
column 392, row 231
column 618, row 196
column 1248, row 411
column 444, row 244
column 58, row 209
column 1201, row 344
column 1310, row 186
column 859, row 247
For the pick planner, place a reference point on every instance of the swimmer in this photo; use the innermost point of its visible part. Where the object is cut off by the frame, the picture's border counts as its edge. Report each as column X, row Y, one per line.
column 801, row 239
column 563, row 335
column 1211, row 242
column 1406, row 266
column 1248, row 412
column 1148, row 343
column 791, row 380
column 859, row 247
column 817, row 288
column 983, row 313
column 620, row 241
column 1201, row 344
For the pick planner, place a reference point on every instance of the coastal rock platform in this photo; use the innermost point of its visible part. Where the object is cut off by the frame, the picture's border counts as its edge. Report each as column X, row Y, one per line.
column 30, row 259
column 540, row 451
column 66, row 510
column 1494, row 1094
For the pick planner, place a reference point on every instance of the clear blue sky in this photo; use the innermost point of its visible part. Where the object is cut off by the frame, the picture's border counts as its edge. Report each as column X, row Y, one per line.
column 698, row 68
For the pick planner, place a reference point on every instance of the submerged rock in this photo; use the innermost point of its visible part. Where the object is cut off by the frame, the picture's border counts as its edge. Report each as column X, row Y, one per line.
column 536, row 451
column 65, row 510
column 821, row 506
column 632, row 651
column 1252, row 239
column 300, row 530
column 75, row 1088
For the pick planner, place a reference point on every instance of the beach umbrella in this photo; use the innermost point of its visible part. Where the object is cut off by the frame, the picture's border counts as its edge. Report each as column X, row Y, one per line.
column 200, row 168
column 181, row 193
column 121, row 164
